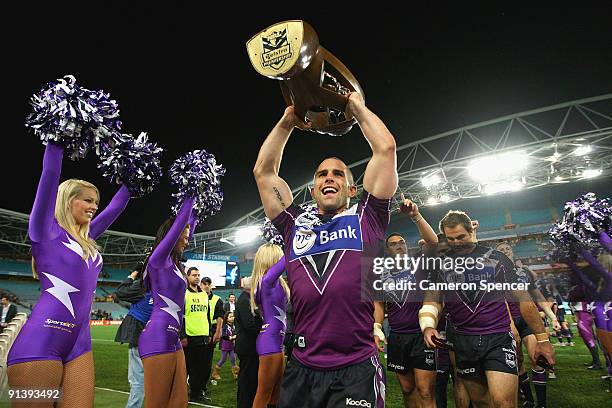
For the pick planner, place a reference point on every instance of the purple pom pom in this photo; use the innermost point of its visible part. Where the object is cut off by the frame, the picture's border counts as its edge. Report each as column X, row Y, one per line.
column 581, row 225
column 133, row 162
column 73, row 117
column 197, row 174
column 271, row 234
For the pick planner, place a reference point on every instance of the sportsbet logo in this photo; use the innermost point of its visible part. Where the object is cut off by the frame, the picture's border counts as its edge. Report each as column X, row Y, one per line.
column 361, row 403
column 341, row 233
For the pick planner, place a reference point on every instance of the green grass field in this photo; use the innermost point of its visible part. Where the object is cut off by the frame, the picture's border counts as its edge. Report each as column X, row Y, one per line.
column 575, row 387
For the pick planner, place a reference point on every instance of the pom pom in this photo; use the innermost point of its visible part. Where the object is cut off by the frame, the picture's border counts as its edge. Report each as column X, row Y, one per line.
column 583, row 222
column 132, row 162
column 197, row 174
column 271, row 234
column 72, row 116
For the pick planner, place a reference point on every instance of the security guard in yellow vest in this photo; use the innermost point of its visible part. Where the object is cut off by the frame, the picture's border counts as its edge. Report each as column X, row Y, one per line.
column 215, row 310
column 195, row 336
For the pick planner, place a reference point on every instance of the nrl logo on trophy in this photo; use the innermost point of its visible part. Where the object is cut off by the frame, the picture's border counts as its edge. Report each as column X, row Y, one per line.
column 312, row 79
column 276, row 49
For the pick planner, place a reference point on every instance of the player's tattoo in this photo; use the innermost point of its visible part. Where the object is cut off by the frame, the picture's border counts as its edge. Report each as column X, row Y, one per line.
column 278, row 195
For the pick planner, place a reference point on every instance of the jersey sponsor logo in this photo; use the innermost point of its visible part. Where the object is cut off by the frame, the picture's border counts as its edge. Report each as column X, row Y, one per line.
column 466, row 370
column 320, row 247
column 341, row 233
column 303, row 240
column 59, row 323
column 508, row 350
column 491, row 271
column 354, row 403
column 396, row 366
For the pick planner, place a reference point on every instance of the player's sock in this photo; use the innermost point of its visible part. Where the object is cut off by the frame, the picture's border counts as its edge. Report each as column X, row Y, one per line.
column 525, row 387
column 539, row 383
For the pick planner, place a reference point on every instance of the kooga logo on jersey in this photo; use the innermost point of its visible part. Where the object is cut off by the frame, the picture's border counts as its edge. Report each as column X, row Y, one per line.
column 340, row 233
column 361, row 403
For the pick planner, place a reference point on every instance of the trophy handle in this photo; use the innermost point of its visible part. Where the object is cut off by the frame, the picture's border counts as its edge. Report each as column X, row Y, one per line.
column 312, row 100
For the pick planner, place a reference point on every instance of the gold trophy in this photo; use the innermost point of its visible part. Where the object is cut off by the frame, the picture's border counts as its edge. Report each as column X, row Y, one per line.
column 312, row 79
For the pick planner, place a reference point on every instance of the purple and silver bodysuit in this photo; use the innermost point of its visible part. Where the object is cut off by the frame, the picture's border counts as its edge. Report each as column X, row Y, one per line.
column 58, row 328
column 272, row 301
column 168, row 286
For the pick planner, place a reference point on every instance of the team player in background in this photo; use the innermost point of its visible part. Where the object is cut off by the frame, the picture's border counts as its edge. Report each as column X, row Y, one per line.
column 408, row 356
column 485, row 349
column 53, row 349
column 335, row 361
column 525, row 334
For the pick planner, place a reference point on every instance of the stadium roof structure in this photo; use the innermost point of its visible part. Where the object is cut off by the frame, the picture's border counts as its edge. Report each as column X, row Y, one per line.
column 563, row 143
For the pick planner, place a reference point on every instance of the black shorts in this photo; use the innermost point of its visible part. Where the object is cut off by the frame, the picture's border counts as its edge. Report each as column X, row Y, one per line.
column 561, row 314
column 408, row 351
column 522, row 327
column 476, row 354
column 358, row 385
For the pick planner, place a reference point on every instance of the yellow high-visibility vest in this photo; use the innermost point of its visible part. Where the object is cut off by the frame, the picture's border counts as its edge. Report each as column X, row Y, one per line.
column 196, row 314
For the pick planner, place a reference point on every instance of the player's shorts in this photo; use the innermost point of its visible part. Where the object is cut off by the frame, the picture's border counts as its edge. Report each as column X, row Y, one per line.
column 358, row 385
column 560, row 315
column 408, row 351
column 476, row 354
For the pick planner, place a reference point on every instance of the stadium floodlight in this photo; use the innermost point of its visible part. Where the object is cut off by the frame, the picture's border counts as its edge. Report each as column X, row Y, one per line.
column 582, row 150
column 590, row 173
column 498, row 167
column 503, row 187
column 247, row 234
column 432, row 201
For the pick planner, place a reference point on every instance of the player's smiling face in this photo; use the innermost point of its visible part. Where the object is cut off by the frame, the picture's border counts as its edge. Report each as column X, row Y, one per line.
column 460, row 240
column 332, row 187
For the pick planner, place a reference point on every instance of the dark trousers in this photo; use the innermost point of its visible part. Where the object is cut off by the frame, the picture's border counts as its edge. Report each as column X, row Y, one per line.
column 441, row 383
column 196, row 358
column 247, row 380
column 210, row 352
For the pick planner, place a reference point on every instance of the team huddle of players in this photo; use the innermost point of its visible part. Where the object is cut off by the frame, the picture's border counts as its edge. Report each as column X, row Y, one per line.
column 468, row 331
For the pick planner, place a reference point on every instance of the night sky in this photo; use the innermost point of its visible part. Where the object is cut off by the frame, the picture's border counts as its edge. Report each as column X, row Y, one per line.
column 184, row 77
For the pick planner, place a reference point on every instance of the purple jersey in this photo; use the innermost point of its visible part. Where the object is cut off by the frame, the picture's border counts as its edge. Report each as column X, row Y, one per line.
column 271, row 300
column 168, row 286
column 332, row 323
column 477, row 311
column 403, row 307
column 226, row 332
column 58, row 328
column 523, row 275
